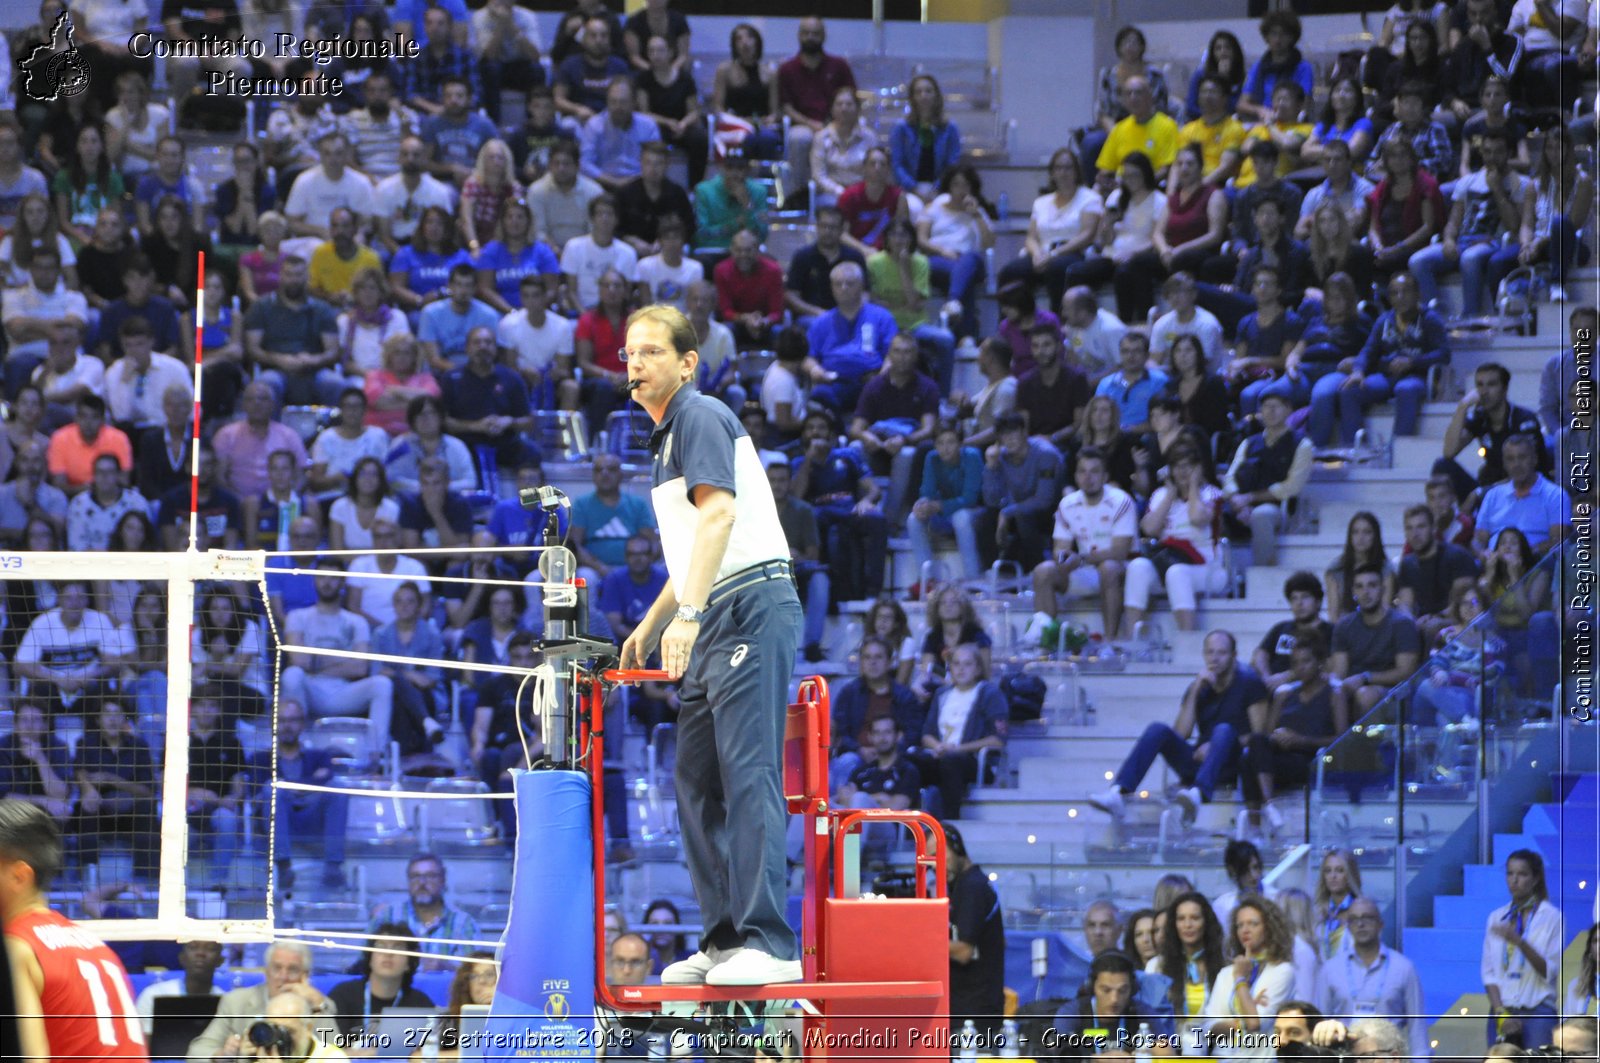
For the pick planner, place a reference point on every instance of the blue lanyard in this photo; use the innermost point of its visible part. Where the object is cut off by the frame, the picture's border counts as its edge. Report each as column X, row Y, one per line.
column 1522, row 915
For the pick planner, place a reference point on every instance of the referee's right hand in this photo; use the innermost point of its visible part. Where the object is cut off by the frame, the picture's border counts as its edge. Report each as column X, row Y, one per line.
column 636, row 649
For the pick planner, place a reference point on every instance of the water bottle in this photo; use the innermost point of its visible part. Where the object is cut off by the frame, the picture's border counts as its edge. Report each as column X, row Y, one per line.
column 1010, row 1046
column 969, row 1041
column 868, row 335
column 1144, row 1041
column 1003, row 205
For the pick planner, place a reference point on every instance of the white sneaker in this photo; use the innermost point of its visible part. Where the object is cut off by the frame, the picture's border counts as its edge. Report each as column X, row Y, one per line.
column 1272, row 819
column 1188, row 799
column 754, row 967
column 1109, row 801
column 693, row 971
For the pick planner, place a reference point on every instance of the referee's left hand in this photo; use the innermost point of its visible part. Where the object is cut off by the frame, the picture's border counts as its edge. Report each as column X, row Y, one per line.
column 676, row 643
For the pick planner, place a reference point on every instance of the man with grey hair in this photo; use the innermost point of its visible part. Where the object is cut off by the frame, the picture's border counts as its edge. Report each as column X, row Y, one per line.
column 849, row 342
column 288, row 970
column 1365, row 1038
column 1577, row 1038
column 1373, row 978
column 1101, row 925
column 289, row 1013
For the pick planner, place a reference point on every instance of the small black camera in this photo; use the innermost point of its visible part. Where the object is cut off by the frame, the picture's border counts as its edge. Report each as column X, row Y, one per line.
column 266, row 1035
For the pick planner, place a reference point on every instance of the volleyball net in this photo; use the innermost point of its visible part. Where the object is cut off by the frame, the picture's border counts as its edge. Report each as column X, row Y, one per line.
column 246, row 747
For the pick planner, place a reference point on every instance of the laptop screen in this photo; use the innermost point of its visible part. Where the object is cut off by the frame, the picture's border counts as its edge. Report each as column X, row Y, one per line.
column 177, row 1020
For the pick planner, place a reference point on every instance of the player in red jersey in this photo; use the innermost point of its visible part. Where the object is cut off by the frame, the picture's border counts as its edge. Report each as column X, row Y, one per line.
column 72, row 995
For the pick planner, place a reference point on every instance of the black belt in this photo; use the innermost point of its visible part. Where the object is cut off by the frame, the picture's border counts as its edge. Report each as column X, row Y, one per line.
column 747, row 577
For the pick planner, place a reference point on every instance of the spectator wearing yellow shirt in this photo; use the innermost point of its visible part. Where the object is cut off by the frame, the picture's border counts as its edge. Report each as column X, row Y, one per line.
column 1218, row 133
column 334, row 264
column 1145, row 130
column 1286, row 129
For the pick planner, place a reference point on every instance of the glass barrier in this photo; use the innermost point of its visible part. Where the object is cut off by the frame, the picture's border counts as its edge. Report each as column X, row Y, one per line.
column 1417, row 766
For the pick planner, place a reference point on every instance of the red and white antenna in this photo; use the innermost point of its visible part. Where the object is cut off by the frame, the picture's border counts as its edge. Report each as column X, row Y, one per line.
column 194, row 446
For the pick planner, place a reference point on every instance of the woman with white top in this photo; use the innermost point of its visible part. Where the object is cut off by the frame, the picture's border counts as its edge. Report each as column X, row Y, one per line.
column 1521, row 961
column 954, row 232
column 1296, row 906
column 1191, row 958
column 1583, row 992
column 1338, row 883
column 968, row 715
column 367, row 499
column 1183, row 518
column 1134, row 212
column 34, row 230
column 368, row 323
column 839, row 151
column 1246, row 994
column 1061, row 227
column 134, row 127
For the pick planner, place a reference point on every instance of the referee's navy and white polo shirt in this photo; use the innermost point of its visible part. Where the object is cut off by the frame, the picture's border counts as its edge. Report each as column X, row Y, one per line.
column 699, row 441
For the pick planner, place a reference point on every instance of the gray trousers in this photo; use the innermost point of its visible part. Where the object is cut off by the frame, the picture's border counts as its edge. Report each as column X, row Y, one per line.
column 729, row 773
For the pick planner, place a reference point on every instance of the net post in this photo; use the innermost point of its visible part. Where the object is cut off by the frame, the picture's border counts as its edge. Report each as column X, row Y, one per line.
column 172, row 874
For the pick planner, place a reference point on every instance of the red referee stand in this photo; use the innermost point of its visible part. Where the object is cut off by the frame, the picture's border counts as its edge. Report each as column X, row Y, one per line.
column 876, row 970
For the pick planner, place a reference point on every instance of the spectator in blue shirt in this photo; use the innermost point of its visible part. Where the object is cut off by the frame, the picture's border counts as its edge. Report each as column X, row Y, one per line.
column 836, row 482
column 950, row 501
column 849, row 342
column 1283, row 61
column 454, row 134
column 513, row 255
column 1272, row 243
column 486, row 403
column 410, row 17
column 169, row 177
column 442, row 61
column 1525, row 500
column 627, row 593
column 418, row 690
column 925, row 143
column 582, row 80
column 1405, row 343
column 1266, row 339
column 419, row 273
column 510, row 522
column 1135, row 384
column 1203, row 744
column 139, row 299
column 445, row 325
column 611, row 141
column 1370, row 978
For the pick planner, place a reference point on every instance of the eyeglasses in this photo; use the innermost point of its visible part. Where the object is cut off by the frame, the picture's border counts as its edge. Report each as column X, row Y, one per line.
column 652, row 353
column 426, row 876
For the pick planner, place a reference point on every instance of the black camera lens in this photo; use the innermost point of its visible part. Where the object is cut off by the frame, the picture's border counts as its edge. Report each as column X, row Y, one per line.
column 270, row 1035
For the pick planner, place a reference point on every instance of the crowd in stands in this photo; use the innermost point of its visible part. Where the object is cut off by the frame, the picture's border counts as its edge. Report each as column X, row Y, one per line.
column 1232, row 278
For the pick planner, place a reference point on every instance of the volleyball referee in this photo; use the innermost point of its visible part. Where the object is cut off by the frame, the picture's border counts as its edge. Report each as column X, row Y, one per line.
column 728, row 622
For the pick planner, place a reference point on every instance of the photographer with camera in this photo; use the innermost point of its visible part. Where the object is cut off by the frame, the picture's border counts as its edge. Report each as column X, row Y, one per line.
column 1369, row 979
column 288, row 970
column 285, row 1032
column 1364, row 1039
column 1294, row 1023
